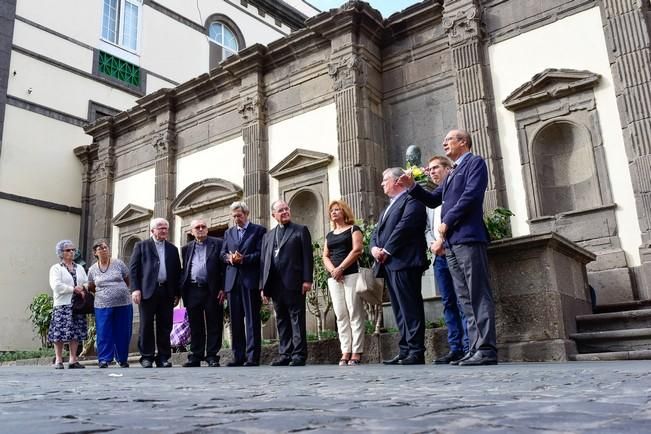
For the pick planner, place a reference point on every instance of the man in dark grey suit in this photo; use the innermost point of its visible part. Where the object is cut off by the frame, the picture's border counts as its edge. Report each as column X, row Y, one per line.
column 398, row 246
column 286, row 268
column 154, row 270
column 241, row 255
column 466, row 240
column 202, row 287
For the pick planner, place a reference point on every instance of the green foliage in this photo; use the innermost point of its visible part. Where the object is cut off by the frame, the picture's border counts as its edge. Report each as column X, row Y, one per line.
column 435, row 324
column 265, row 313
column 369, row 327
column 366, row 259
column 91, row 340
column 10, row 356
column 318, row 299
column 324, row 335
column 498, row 223
column 40, row 314
column 417, row 173
column 321, row 275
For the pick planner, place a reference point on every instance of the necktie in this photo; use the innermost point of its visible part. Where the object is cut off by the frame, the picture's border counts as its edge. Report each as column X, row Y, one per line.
column 447, row 179
column 240, row 233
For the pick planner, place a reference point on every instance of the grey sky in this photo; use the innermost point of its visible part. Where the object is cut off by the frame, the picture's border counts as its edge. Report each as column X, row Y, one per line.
column 386, row 7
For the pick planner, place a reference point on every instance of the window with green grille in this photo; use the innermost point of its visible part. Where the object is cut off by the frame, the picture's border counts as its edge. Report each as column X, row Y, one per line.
column 119, row 69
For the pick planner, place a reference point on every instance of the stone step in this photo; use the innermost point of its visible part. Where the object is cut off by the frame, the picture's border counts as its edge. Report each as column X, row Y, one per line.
column 613, row 340
column 624, row 306
column 612, row 356
column 622, row 320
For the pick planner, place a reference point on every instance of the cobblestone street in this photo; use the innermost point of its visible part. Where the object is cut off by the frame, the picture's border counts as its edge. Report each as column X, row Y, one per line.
column 519, row 398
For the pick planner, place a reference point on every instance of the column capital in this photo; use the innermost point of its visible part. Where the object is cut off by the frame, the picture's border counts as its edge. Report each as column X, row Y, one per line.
column 348, row 70
column 462, row 22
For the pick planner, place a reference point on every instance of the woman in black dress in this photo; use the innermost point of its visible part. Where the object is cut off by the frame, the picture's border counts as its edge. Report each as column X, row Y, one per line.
column 342, row 248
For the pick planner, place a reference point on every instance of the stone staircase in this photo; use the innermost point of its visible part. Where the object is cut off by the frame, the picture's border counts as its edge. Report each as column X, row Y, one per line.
column 619, row 331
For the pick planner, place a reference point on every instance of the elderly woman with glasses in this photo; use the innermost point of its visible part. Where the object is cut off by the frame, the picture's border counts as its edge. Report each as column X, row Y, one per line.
column 66, row 279
column 109, row 279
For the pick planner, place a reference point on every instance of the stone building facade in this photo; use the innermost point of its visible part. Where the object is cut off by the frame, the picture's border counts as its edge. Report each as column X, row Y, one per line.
column 556, row 95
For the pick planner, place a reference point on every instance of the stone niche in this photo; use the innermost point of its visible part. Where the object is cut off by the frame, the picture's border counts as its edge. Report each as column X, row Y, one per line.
column 133, row 226
column 565, row 175
column 539, row 286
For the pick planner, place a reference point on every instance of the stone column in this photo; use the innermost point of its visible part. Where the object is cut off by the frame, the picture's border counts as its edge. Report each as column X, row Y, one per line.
column 253, row 109
column 103, row 174
column 361, row 152
column 629, row 41
column 164, row 143
column 86, row 154
column 461, row 20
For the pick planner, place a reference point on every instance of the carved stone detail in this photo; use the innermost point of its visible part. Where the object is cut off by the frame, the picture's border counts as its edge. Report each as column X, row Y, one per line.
column 463, row 25
column 164, row 142
column 253, row 107
column 349, row 70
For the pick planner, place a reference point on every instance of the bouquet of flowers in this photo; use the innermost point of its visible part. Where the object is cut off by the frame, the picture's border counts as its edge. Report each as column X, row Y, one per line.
column 418, row 173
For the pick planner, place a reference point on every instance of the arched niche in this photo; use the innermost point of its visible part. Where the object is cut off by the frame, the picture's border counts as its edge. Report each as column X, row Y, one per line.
column 308, row 209
column 209, row 199
column 564, row 168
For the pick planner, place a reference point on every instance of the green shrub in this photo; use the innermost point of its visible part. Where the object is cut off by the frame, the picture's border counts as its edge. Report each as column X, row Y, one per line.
column 40, row 313
column 498, row 223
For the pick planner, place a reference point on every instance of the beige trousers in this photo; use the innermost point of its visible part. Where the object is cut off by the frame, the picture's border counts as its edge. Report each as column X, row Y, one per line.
column 349, row 310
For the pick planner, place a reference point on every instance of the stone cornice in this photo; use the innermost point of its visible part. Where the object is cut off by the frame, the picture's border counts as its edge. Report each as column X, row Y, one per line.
column 155, row 102
column 205, row 194
column 131, row 214
column 550, row 84
column 423, row 14
column 290, row 16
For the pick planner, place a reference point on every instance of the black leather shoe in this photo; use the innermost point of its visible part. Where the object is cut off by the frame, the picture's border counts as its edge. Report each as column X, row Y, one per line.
column 297, row 362
column 450, row 357
column 191, row 364
column 283, row 361
column 251, row 364
column 103, row 365
column 478, row 359
column 213, row 363
column 124, row 365
column 145, row 363
column 164, row 364
column 465, row 357
column 234, row 364
column 413, row 360
column 395, row 361
column 76, row 365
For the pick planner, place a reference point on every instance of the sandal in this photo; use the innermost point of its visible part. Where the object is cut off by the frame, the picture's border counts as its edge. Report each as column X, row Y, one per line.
column 344, row 360
column 355, row 360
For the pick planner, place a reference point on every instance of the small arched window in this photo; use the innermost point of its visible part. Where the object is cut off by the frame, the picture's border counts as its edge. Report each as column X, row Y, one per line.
column 222, row 35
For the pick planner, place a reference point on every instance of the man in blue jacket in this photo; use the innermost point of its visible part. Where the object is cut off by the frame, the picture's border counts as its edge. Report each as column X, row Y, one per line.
column 466, row 240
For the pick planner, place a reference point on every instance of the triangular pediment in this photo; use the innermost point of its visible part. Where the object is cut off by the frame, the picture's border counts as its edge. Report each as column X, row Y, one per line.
column 206, row 194
column 550, row 84
column 300, row 160
column 132, row 214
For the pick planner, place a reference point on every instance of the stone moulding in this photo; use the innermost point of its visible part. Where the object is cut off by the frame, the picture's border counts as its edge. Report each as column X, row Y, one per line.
column 548, row 85
column 206, row 194
column 132, row 214
column 539, row 286
column 298, row 161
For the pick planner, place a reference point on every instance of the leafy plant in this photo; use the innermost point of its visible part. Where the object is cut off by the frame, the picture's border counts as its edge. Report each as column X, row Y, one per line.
column 417, row 173
column 324, row 335
column 10, row 356
column 498, row 223
column 265, row 313
column 40, row 314
column 91, row 341
column 318, row 300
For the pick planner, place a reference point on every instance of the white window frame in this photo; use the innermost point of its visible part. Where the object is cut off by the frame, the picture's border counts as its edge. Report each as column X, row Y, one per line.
column 224, row 48
column 120, row 31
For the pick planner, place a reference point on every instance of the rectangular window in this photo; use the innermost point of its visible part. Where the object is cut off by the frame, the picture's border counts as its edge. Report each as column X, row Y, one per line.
column 120, row 20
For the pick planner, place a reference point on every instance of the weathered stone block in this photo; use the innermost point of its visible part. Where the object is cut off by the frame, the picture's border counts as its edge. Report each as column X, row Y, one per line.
column 612, row 286
column 607, row 260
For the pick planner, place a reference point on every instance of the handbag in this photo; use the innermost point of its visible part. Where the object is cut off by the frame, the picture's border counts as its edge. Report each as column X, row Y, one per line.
column 368, row 287
column 83, row 305
column 180, row 335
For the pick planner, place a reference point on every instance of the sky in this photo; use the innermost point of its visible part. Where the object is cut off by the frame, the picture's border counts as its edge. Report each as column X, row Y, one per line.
column 386, row 7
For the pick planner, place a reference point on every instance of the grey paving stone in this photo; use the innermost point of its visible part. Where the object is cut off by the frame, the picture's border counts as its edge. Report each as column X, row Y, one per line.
column 577, row 397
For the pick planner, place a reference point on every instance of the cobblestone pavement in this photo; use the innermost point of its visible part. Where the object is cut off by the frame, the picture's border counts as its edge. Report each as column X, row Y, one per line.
column 612, row 397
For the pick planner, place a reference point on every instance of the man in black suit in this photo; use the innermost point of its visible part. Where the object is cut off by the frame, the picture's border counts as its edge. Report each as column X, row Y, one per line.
column 241, row 255
column 286, row 267
column 398, row 246
column 154, row 270
column 202, row 287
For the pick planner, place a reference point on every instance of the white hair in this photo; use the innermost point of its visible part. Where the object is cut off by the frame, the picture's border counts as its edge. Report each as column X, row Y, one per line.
column 157, row 221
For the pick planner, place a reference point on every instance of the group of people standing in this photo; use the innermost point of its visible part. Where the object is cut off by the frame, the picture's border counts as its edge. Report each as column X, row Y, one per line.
column 252, row 265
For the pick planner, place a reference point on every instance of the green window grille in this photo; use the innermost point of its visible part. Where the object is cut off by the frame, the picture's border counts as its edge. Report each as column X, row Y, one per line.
column 119, row 69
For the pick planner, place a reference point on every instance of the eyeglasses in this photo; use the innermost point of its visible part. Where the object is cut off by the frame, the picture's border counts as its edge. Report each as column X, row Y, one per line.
column 69, row 250
column 447, row 139
column 283, row 209
column 102, row 248
column 200, row 227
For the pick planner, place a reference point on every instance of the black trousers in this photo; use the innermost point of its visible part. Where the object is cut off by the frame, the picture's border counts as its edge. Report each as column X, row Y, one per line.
column 246, row 333
column 290, row 319
column 156, row 313
column 407, row 304
column 206, row 328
